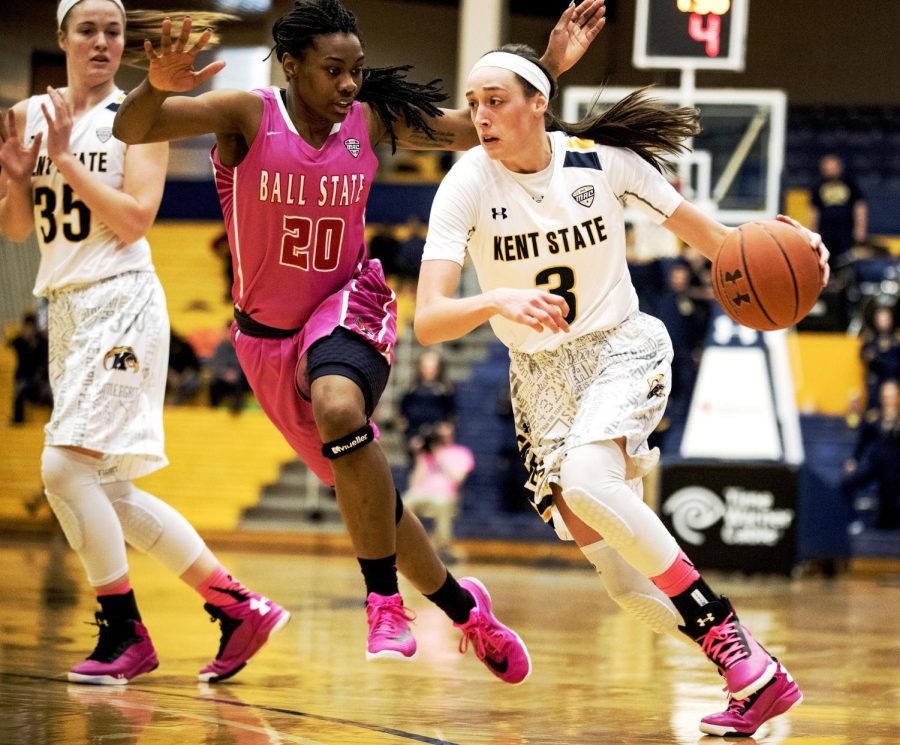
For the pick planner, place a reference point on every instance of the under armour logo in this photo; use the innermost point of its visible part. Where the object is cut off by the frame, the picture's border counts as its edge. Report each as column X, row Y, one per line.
column 709, row 618
column 498, row 212
column 262, row 605
column 729, row 277
column 740, row 298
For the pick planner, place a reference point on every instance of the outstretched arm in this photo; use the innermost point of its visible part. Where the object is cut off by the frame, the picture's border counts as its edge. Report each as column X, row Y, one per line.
column 701, row 231
column 148, row 114
column 573, row 33
column 570, row 38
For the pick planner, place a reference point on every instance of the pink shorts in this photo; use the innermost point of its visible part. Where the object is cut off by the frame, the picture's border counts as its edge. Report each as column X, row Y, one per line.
column 365, row 306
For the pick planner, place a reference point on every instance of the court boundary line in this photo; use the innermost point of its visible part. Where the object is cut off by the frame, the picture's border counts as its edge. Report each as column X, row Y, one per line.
column 261, row 707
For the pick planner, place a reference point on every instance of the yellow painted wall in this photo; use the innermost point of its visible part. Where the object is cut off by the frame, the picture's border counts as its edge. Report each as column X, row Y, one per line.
column 827, row 372
column 218, row 462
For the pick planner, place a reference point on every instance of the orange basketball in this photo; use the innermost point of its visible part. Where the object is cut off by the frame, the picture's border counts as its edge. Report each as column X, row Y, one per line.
column 766, row 276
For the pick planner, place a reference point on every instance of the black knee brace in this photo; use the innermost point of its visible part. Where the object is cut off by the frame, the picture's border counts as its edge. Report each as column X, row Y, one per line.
column 348, row 443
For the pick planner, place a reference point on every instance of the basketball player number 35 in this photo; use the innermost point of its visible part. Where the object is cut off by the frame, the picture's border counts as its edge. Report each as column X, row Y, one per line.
column 303, row 237
column 562, row 281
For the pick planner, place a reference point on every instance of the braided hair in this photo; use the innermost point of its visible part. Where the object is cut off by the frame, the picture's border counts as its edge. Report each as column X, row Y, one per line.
column 643, row 124
column 385, row 89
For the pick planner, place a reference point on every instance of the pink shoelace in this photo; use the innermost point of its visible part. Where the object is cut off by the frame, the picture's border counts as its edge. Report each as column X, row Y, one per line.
column 391, row 620
column 724, row 644
column 483, row 637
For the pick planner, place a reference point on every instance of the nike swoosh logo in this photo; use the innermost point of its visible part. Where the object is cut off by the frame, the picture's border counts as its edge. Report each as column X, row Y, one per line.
column 500, row 667
column 269, row 134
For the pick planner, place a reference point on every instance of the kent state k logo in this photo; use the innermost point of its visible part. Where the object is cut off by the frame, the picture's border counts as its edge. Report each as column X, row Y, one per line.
column 121, row 358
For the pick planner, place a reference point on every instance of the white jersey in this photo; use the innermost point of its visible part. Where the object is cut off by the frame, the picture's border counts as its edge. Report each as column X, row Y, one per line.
column 570, row 243
column 76, row 248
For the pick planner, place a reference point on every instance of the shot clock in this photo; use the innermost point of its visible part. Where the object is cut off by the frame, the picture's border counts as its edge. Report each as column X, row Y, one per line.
column 700, row 34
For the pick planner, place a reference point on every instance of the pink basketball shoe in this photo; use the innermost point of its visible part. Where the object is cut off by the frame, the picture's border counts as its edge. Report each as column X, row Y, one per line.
column 744, row 664
column 123, row 652
column 744, row 717
column 498, row 647
column 389, row 634
column 246, row 626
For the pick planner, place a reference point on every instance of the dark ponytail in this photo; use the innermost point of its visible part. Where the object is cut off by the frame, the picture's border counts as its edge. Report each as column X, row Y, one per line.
column 391, row 96
column 642, row 124
column 645, row 125
column 385, row 89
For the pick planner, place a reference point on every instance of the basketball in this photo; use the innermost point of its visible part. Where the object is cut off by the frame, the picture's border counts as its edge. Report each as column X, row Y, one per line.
column 766, row 276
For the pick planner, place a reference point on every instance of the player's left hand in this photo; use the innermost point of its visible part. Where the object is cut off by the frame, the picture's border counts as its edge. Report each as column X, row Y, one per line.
column 815, row 241
column 17, row 161
column 570, row 38
column 59, row 125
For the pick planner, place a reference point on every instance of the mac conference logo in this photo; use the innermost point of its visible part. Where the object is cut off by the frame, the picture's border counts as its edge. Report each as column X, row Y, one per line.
column 742, row 516
column 584, row 195
column 352, row 145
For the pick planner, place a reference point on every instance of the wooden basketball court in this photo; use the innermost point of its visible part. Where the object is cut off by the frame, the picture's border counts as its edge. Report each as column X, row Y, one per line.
column 597, row 677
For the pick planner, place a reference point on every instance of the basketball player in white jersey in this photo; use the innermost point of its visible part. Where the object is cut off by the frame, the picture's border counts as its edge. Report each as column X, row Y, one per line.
column 538, row 208
column 91, row 199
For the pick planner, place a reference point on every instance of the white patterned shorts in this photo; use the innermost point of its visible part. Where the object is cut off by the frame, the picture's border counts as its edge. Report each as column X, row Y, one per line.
column 109, row 355
column 600, row 386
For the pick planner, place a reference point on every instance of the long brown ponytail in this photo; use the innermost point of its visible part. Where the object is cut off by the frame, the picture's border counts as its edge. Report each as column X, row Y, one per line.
column 645, row 125
column 146, row 24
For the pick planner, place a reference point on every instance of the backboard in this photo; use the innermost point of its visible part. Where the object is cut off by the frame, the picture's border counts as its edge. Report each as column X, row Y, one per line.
column 734, row 169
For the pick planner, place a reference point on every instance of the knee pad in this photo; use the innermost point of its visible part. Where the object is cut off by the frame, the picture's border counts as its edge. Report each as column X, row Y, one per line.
column 154, row 527
column 600, row 516
column 141, row 527
column 65, row 473
column 88, row 521
column 348, row 443
column 68, row 520
column 594, row 487
column 651, row 611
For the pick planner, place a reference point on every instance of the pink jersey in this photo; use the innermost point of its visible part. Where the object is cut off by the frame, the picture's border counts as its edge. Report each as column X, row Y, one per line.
column 295, row 215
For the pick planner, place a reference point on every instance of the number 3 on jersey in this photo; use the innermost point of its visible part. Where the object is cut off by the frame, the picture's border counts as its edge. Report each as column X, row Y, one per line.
column 322, row 239
column 562, row 281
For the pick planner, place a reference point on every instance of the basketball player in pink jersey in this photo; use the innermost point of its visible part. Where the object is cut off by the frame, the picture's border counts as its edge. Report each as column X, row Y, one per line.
column 90, row 199
column 314, row 320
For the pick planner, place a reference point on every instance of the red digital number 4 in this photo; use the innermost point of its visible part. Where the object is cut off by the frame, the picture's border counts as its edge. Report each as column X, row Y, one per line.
column 708, row 32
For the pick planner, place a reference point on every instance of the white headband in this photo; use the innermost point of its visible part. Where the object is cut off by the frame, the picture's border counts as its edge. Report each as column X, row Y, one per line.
column 520, row 66
column 66, row 5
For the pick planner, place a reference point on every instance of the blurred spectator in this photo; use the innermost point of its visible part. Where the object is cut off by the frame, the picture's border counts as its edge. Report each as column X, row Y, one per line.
column 430, row 401
column 31, row 380
column 876, row 457
column 880, row 352
column 839, row 214
column 686, row 319
column 222, row 250
column 839, row 210
column 385, row 247
column 184, row 377
column 409, row 256
column 441, row 466
column 226, row 379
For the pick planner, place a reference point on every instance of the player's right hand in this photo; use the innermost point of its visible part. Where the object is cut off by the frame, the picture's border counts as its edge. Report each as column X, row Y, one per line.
column 172, row 67
column 535, row 308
